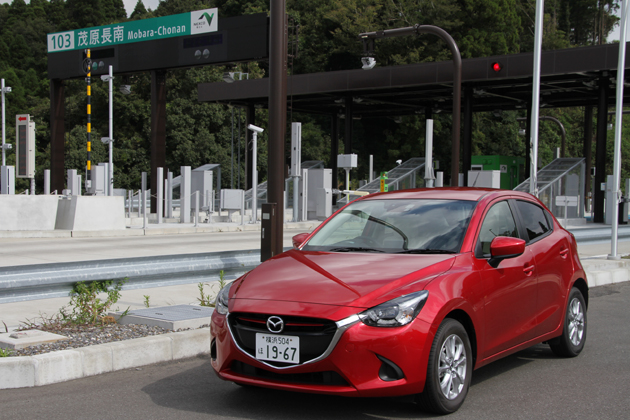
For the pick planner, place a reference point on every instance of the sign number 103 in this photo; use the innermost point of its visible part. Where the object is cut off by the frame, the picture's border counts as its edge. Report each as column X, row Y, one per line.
column 61, row 41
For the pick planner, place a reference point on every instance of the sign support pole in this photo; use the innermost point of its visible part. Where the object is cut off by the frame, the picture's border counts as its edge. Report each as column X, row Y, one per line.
column 88, row 172
column 111, row 132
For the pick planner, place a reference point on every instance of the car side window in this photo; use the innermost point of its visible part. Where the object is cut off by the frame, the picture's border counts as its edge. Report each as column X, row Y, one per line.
column 499, row 221
column 533, row 218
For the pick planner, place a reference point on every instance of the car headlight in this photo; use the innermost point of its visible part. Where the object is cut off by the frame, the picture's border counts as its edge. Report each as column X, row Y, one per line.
column 221, row 304
column 396, row 312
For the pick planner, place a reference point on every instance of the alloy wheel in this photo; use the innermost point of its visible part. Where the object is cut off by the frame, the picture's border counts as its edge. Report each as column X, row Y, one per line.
column 452, row 366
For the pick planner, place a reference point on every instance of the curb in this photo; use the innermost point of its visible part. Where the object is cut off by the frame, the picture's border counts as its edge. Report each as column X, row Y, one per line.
column 65, row 365
column 601, row 272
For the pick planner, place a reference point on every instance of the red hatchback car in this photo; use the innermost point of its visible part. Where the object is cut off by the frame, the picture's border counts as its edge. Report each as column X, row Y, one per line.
column 405, row 293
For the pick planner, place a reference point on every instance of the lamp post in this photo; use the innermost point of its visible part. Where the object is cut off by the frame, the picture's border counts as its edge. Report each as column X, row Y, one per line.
column 369, row 63
column 618, row 129
column 563, row 132
column 110, row 140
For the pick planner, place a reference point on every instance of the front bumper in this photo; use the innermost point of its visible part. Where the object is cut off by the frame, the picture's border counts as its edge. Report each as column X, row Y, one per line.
column 352, row 366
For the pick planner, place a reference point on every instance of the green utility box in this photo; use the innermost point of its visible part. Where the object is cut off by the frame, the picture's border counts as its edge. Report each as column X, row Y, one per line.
column 512, row 168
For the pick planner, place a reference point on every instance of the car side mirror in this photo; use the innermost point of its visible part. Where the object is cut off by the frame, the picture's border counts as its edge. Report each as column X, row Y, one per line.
column 299, row 239
column 503, row 247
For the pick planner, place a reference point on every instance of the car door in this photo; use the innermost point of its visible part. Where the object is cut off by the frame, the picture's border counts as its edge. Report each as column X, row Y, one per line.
column 551, row 252
column 510, row 288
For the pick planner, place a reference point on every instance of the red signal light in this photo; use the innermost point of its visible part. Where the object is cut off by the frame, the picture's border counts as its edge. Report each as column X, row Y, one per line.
column 497, row 67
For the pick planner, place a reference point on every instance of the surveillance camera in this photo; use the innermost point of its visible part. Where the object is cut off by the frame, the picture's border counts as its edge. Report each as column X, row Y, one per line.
column 368, row 63
column 106, row 140
column 125, row 89
column 255, row 128
column 399, row 161
column 228, row 76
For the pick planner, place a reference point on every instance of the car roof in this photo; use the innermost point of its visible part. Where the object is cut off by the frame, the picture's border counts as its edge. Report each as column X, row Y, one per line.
column 448, row 193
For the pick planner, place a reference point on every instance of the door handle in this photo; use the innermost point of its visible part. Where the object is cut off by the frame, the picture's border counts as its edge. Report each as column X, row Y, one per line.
column 564, row 253
column 528, row 270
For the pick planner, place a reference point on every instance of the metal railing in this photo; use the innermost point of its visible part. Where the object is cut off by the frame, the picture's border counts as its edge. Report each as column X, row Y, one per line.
column 56, row 280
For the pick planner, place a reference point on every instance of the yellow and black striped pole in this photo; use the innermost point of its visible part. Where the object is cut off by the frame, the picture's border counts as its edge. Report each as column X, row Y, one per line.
column 88, row 175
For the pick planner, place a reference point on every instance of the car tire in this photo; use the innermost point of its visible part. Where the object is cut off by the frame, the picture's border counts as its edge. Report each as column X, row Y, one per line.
column 573, row 337
column 451, row 357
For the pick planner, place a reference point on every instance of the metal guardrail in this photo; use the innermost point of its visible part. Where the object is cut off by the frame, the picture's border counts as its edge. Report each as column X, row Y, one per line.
column 44, row 281
column 599, row 234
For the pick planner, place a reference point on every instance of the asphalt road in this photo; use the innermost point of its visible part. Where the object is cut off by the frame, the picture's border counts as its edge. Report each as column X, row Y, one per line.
column 533, row 384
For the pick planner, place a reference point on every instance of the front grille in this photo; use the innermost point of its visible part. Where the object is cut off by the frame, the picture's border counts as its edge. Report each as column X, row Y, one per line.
column 310, row 378
column 315, row 334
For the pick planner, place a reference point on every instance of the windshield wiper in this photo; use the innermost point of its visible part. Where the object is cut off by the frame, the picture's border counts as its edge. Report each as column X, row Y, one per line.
column 354, row 248
column 427, row 251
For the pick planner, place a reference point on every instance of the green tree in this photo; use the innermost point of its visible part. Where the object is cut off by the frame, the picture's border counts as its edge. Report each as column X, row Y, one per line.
column 139, row 12
column 483, row 33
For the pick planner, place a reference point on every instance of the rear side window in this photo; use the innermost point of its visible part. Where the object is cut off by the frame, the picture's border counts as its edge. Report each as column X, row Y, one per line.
column 534, row 220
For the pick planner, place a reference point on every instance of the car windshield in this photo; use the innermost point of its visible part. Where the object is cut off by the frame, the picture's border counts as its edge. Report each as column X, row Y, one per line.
column 396, row 226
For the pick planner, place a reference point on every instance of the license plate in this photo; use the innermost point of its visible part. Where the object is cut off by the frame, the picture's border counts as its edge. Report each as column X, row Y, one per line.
column 278, row 348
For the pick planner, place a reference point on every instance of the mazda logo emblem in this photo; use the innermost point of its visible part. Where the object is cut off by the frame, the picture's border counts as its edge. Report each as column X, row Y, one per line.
column 275, row 324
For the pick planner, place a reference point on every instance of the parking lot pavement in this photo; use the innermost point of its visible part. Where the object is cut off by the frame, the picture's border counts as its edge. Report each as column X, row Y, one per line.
column 531, row 384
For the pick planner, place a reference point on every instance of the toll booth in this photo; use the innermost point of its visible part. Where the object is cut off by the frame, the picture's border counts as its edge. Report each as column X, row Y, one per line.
column 512, row 168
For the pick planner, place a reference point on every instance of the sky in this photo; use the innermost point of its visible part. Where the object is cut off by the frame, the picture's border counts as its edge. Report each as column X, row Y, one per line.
column 129, row 4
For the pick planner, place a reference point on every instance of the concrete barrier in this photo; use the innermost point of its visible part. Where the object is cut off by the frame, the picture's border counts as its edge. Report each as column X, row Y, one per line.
column 28, row 212
column 91, row 213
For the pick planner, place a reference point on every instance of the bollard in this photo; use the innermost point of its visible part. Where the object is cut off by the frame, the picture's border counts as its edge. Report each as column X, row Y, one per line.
column 196, row 208
column 159, row 195
column 144, row 209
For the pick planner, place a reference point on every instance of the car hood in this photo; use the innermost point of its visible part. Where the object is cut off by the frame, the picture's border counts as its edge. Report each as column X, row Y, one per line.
column 345, row 279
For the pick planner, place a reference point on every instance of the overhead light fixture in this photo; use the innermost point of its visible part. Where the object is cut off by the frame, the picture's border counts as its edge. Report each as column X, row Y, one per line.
column 368, row 63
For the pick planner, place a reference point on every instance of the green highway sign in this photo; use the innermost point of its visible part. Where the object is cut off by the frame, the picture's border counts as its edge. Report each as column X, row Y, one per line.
column 198, row 22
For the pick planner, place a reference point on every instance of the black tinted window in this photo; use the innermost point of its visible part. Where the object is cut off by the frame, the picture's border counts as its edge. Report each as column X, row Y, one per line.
column 534, row 219
column 498, row 222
